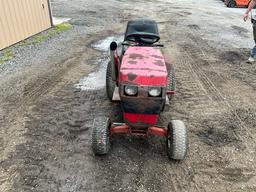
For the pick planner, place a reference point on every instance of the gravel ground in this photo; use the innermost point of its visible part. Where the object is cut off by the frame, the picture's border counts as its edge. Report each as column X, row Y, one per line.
column 48, row 103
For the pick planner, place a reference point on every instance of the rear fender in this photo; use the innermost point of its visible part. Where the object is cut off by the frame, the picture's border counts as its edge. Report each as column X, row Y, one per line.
column 168, row 63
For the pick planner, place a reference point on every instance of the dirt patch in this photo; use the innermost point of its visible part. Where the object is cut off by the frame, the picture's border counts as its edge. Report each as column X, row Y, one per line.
column 247, row 115
column 1, row 144
column 235, row 57
column 196, row 27
column 60, row 132
column 219, row 132
column 235, row 175
column 240, row 30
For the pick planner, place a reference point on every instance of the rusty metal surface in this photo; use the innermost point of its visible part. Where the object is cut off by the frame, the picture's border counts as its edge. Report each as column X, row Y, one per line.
column 143, row 66
column 138, row 131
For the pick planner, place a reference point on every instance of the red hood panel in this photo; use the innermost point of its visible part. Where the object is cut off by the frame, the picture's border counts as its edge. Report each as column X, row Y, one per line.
column 143, row 66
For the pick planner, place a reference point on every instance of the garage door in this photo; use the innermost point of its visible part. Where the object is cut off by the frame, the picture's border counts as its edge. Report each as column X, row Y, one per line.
column 20, row 19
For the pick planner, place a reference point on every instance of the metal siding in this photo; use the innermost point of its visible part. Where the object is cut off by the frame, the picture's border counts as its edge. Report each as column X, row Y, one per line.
column 40, row 15
column 8, row 36
column 47, row 13
column 50, row 12
column 20, row 19
column 2, row 40
column 30, row 17
column 43, row 13
column 13, row 21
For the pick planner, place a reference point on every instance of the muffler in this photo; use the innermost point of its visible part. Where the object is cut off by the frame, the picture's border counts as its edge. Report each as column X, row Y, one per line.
column 113, row 47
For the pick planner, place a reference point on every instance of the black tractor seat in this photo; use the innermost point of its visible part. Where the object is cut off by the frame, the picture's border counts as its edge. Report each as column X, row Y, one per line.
column 142, row 31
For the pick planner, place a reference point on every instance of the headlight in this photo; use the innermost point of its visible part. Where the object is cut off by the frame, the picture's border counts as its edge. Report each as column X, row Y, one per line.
column 154, row 91
column 130, row 90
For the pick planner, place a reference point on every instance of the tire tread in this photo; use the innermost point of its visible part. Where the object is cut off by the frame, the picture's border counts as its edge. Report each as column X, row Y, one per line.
column 100, row 136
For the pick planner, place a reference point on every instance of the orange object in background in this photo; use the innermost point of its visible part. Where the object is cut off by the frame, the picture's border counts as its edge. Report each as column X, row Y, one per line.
column 237, row 3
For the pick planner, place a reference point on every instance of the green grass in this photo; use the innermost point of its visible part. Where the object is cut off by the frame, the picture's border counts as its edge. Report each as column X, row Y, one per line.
column 61, row 27
column 7, row 55
column 43, row 37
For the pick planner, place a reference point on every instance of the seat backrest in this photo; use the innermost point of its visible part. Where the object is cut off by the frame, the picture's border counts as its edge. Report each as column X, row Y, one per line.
column 142, row 31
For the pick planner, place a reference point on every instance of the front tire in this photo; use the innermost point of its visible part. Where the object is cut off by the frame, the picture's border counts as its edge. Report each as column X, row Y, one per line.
column 110, row 83
column 177, row 140
column 100, row 136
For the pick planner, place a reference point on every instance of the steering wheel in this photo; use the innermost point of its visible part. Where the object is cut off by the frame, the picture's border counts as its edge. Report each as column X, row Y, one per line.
column 143, row 38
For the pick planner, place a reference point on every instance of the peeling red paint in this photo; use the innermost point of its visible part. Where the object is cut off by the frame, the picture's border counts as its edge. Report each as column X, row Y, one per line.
column 145, row 63
column 132, row 62
column 145, row 69
column 159, row 62
column 157, row 56
column 131, row 76
column 136, row 56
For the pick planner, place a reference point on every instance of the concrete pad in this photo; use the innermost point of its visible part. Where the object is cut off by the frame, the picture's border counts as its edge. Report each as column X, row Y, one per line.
column 60, row 20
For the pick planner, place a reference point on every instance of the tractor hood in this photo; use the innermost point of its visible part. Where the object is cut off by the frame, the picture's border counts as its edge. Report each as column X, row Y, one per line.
column 143, row 66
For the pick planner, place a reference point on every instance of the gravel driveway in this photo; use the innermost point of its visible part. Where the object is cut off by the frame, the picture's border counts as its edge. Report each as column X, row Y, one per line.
column 49, row 98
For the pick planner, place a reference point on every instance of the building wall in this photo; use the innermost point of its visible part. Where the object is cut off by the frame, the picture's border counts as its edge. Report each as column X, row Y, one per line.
column 20, row 19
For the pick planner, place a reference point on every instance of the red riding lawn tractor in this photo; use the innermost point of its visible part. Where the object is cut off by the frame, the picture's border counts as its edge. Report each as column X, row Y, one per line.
column 143, row 82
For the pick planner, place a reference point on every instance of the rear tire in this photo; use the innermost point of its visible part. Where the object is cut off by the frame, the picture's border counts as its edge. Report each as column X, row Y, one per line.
column 100, row 136
column 171, row 82
column 177, row 140
column 110, row 84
